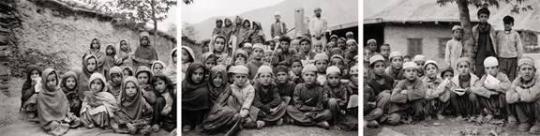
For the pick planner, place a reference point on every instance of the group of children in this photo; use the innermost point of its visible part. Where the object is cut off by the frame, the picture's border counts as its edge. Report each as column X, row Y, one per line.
column 281, row 81
column 131, row 93
column 490, row 83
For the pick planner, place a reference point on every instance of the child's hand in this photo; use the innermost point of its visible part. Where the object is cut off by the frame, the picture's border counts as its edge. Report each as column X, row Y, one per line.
column 166, row 110
column 403, row 91
column 155, row 127
column 243, row 113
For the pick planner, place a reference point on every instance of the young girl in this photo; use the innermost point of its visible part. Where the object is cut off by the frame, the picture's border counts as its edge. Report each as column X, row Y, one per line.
column 187, row 58
column 96, row 52
column 127, row 71
column 209, row 60
column 240, row 57
column 134, row 112
column 98, row 105
column 110, row 59
column 267, row 98
column 337, row 94
column 172, row 67
column 217, row 82
column 164, row 115
column 158, row 67
column 234, row 106
column 195, row 102
column 71, row 90
column 28, row 96
column 90, row 66
column 308, row 100
column 124, row 55
column 143, row 75
column 52, row 104
column 284, row 85
column 296, row 71
column 115, row 81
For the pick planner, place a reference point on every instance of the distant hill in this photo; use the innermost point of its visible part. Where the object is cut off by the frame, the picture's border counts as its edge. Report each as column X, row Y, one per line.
column 335, row 11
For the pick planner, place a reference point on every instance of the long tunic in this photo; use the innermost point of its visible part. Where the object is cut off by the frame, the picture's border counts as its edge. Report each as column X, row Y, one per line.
column 266, row 99
column 308, row 101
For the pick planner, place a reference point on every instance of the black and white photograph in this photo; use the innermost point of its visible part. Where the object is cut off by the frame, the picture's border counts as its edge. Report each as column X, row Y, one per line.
column 269, row 67
column 88, row 67
column 451, row 67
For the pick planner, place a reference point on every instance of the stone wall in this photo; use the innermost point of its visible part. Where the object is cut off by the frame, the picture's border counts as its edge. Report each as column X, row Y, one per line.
column 53, row 28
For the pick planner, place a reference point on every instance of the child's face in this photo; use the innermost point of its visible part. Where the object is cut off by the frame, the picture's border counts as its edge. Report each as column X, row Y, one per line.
column 158, row 68
column 71, row 83
column 463, row 68
column 247, row 49
column 341, row 43
column 240, row 79
column 431, row 70
column 143, row 78
column 144, row 41
column 35, row 74
column 198, row 76
column 258, row 53
column 331, row 45
column 219, row 23
column 492, row 70
column 218, row 81
column 265, row 79
column 354, row 77
column 309, row 77
column 508, row 26
column 420, row 63
column 219, row 44
column 297, row 67
column 284, row 45
column 321, row 65
column 210, row 63
column 116, row 78
column 91, row 67
column 96, row 85
column 185, row 56
column 205, row 49
column 109, row 51
column 372, row 46
column 338, row 62
column 282, row 77
column 410, row 74
column 527, row 72
column 305, row 46
column 51, row 81
column 131, row 89
column 123, row 45
column 385, row 51
column 240, row 61
column 378, row 68
column 448, row 75
column 318, row 47
column 127, row 72
column 457, row 34
column 483, row 18
column 159, row 86
column 333, row 79
column 397, row 62
column 95, row 44
column 406, row 59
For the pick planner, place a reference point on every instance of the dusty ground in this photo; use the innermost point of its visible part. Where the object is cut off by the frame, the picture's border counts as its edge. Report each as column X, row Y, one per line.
column 287, row 130
column 447, row 127
column 11, row 125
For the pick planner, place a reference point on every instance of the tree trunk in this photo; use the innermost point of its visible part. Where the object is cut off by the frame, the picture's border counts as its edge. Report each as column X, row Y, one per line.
column 465, row 19
column 154, row 19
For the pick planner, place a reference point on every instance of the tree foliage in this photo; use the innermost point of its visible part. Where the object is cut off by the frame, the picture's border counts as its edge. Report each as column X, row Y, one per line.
column 517, row 5
column 142, row 11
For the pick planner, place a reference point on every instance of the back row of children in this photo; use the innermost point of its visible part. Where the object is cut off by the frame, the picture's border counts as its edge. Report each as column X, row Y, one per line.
column 494, row 84
column 271, row 83
column 129, row 92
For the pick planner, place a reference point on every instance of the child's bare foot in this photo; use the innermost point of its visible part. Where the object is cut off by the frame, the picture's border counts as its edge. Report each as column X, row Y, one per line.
column 323, row 124
column 279, row 122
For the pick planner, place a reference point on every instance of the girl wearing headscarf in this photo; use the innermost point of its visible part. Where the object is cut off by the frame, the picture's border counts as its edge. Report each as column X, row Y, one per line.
column 144, row 76
column 218, row 82
column 28, row 96
column 245, row 32
column 99, row 105
column 218, row 47
column 95, row 51
column 267, row 98
column 90, row 66
column 234, row 106
column 115, row 81
column 110, row 59
column 258, row 34
column 308, row 100
column 124, row 55
column 164, row 115
column 70, row 88
column 228, row 30
column 158, row 67
column 127, row 71
column 145, row 54
column 188, row 57
column 52, row 104
column 134, row 112
column 195, row 101
column 171, row 70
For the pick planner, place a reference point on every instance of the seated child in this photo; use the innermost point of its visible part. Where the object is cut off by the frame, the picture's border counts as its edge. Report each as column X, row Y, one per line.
column 308, row 100
column 396, row 64
column 164, row 115
column 296, row 71
column 195, row 93
column 99, row 105
column 491, row 88
column 217, row 82
column 321, row 62
column 115, row 81
column 464, row 102
column 71, row 90
column 284, row 84
column 407, row 100
column 143, row 75
column 29, row 92
column 134, row 113
column 522, row 98
column 437, row 91
column 127, row 71
column 267, row 98
column 158, row 67
column 337, row 94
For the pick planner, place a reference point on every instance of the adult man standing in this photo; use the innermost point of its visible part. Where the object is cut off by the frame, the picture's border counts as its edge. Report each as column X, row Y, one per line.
column 317, row 27
column 278, row 28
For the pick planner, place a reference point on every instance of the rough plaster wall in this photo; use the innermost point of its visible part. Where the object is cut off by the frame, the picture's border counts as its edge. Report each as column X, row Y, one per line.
column 50, row 33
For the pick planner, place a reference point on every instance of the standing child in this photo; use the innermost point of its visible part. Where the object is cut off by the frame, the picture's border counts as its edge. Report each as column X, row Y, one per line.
column 218, row 30
column 124, row 55
column 462, row 99
column 407, row 100
column 385, row 52
column 52, row 104
column 454, row 47
column 164, row 115
column 143, row 75
column 321, row 62
column 267, row 98
column 134, row 114
column 110, row 59
column 308, row 100
column 195, row 101
column 29, row 92
column 337, row 94
column 115, row 81
column 485, row 42
column 437, row 91
column 490, row 89
column 145, row 54
column 95, row 51
column 509, row 48
column 522, row 98
column 171, row 70
column 98, row 105
column 209, row 60
column 70, row 88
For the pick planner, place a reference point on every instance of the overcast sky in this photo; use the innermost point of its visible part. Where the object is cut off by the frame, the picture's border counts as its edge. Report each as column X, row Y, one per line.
column 204, row 9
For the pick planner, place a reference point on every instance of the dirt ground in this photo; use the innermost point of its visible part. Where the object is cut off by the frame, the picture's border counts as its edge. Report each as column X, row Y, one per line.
column 446, row 127
column 287, row 130
column 11, row 125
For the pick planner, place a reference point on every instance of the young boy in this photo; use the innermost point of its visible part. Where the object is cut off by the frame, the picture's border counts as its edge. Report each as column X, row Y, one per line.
column 395, row 70
column 256, row 60
column 485, row 42
column 491, row 89
column 509, row 48
column 407, row 100
column 337, row 93
column 454, row 47
column 385, row 52
column 321, row 62
column 381, row 83
column 522, row 97
column 420, row 60
column 464, row 102
column 437, row 91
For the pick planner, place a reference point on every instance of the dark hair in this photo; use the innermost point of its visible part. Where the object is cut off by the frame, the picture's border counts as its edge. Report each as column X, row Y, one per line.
column 297, row 60
column 191, row 59
column 222, row 37
column 168, row 83
column 113, row 49
column 305, row 40
column 219, row 20
column 386, row 44
column 281, row 68
column 508, row 20
column 285, row 38
column 482, row 11
column 95, row 39
column 130, row 71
